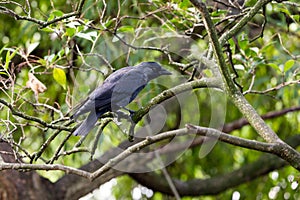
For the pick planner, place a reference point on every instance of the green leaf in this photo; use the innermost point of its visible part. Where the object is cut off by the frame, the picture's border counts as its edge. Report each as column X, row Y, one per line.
column 184, row 4
column 42, row 62
column 2, row 49
column 88, row 36
column 243, row 44
column 79, row 28
column 9, row 56
column 14, row 53
column 61, row 53
column 59, row 76
column 47, row 29
column 7, row 60
column 250, row 3
column 129, row 29
column 274, row 66
column 70, row 32
column 108, row 24
column 51, row 17
column 288, row 65
column 208, row 72
column 296, row 18
column 285, row 10
column 54, row 14
column 218, row 13
column 3, row 73
column 31, row 47
column 57, row 13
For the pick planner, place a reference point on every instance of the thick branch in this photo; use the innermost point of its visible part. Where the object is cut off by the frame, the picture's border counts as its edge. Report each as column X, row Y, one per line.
column 289, row 154
column 99, row 177
column 230, row 139
column 279, row 149
column 202, row 83
column 72, row 187
column 217, row 184
column 236, row 96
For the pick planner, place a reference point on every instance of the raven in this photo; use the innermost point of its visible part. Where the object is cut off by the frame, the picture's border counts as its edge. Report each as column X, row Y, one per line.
column 116, row 92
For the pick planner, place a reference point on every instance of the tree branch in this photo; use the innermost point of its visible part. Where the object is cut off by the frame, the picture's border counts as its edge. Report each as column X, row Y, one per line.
column 289, row 154
column 109, row 172
column 230, row 139
column 32, row 118
column 42, row 24
column 244, row 20
column 215, row 185
column 237, row 124
column 202, row 83
column 281, row 85
column 19, row 166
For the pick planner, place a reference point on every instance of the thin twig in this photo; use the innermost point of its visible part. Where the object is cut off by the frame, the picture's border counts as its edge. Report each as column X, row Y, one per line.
column 239, row 25
column 67, row 169
column 237, row 124
column 32, row 118
column 278, row 87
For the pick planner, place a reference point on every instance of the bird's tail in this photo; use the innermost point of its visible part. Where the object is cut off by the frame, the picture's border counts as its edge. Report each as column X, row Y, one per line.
column 87, row 125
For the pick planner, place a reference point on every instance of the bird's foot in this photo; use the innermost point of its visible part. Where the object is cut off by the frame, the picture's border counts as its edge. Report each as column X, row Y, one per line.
column 131, row 132
column 131, row 112
column 122, row 115
column 128, row 117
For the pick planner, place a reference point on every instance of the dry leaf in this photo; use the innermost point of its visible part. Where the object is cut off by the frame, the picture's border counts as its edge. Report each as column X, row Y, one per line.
column 35, row 85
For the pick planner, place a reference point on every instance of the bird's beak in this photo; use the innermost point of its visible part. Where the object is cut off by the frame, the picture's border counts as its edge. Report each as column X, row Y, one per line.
column 164, row 72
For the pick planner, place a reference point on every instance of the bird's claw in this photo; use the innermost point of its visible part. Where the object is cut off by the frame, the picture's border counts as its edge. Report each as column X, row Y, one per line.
column 131, row 132
column 131, row 113
column 121, row 115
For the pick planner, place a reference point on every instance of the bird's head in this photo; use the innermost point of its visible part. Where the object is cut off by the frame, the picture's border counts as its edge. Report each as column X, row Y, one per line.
column 153, row 70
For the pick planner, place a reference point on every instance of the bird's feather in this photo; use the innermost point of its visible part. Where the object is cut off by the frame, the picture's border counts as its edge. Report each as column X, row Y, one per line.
column 118, row 90
column 101, row 96
column 134, row 81
column 87, row 125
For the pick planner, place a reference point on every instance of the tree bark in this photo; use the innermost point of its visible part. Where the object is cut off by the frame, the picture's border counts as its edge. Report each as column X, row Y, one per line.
column 15, row 185
column 19, row 185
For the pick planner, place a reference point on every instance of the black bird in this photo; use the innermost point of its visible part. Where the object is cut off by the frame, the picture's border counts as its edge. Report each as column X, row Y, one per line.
column 116, row 92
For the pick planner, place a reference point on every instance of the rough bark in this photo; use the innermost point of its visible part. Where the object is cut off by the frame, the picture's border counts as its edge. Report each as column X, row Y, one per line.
column 15, row 185
column 19, row 185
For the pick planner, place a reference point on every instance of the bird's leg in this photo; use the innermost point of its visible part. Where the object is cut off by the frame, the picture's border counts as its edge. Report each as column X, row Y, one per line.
column 132, row 125
column 131, row 112
column 121, row 114
column 131, row 131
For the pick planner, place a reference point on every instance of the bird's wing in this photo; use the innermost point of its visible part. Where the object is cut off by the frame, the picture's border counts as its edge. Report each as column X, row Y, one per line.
column 128, row 87
column 91, row 105
column 103, row 94
column 87, row 125
column 100, row 98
